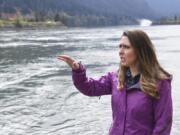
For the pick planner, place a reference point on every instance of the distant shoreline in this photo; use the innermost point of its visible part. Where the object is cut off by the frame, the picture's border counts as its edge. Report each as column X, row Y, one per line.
column 154, row 24
column 57, row 25
column 31, row 28
column 30, row 25
column 44, row 25
column 167, row 21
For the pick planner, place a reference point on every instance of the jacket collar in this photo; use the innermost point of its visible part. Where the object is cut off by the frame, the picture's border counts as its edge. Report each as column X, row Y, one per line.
column 132, row 82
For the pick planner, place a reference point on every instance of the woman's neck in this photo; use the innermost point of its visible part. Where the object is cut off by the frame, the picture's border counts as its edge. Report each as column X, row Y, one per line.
column 134, row 70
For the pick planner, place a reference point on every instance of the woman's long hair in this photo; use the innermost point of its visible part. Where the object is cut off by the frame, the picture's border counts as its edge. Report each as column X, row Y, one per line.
column 150, row 69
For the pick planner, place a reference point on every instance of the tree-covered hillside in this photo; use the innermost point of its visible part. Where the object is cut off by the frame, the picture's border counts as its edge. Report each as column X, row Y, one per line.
column 81, row 12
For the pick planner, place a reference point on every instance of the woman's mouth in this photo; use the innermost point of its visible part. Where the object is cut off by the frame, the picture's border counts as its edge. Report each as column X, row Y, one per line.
column 122, row 59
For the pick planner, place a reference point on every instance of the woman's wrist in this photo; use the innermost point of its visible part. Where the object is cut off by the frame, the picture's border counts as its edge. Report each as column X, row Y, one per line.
column 77, row 67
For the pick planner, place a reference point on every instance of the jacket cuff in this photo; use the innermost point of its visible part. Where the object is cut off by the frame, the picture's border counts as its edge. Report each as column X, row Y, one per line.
column 80, row 69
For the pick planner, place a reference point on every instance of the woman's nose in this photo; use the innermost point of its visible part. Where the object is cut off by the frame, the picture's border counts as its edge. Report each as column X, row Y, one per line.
column 121, row 52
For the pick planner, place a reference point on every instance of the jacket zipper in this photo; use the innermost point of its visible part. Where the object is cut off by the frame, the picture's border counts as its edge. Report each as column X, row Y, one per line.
column 125, row 110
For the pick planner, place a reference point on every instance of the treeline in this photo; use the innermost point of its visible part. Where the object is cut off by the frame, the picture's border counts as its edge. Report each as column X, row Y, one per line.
column 69, row 20
column 168, row 20
column 93, row 20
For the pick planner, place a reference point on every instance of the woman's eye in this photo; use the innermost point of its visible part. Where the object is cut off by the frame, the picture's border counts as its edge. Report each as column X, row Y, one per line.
column 124, row 46
column 127, row 47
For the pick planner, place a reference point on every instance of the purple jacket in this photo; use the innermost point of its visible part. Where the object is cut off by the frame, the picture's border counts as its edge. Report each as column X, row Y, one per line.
column 133, row 112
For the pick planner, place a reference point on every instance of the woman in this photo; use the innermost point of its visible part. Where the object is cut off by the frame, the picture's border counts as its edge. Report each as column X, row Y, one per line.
column 140, row 89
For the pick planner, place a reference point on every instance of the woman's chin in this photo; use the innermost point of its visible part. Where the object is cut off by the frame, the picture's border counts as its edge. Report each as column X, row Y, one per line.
column 124, row 64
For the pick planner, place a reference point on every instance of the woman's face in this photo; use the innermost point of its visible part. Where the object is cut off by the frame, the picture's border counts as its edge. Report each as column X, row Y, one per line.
column 126, row 52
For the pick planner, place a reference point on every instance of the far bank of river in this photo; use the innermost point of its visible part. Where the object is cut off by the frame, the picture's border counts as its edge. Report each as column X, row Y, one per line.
column 8, row 24
column 15, row 24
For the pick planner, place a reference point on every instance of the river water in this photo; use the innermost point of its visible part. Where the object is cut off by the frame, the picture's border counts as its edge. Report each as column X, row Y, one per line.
column 37, row 96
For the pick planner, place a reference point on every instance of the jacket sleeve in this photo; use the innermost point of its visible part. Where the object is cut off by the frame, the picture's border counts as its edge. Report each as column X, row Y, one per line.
column 90, row 86
column 163, row 110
